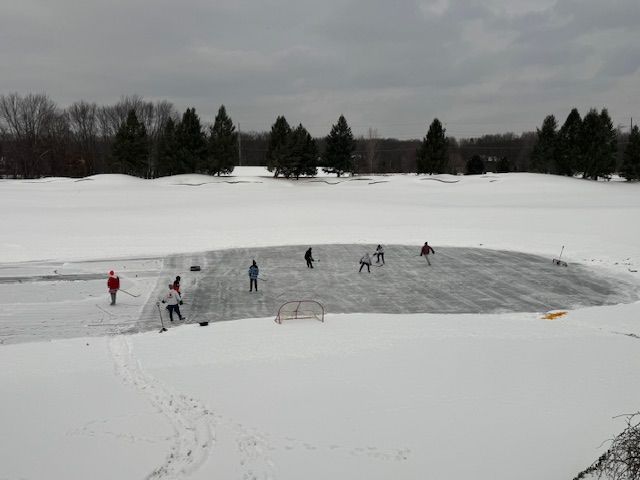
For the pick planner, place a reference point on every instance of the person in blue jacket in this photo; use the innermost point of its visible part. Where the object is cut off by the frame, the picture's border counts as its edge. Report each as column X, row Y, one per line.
column 253, row 276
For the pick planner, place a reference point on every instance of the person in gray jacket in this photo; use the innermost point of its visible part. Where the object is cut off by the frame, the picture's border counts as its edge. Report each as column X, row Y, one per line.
column 365, row 260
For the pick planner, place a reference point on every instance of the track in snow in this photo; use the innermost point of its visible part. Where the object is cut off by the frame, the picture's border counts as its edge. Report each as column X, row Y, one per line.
column 192, row 422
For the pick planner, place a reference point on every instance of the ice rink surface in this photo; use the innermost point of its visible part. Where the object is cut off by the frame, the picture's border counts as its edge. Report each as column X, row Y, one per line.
column 49, row 301
column 459, row 280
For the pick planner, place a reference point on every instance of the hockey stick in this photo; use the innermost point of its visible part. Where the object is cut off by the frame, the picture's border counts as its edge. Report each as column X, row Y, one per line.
column 262, row 279
column 105, row 311
column 130, row 294
column 161, row 322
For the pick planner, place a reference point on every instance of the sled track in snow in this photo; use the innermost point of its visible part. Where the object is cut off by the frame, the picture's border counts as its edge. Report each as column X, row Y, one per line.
column 192, row 422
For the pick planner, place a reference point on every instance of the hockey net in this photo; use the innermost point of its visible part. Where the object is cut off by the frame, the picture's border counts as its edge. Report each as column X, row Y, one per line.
column 300, row 309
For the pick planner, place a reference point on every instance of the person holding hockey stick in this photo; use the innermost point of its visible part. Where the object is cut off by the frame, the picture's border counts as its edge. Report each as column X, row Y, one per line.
column 365, row 260
column 425, row 251
column 309, row 258
column 253, row 276
column 176, row 285
column 113, row 284
column 379, row 253
column 173, row 300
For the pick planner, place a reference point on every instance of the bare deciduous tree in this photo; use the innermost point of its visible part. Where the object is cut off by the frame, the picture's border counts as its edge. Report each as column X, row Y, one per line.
column 83, row 123
column 28, row 120
column 622, row 460
column 371, row 147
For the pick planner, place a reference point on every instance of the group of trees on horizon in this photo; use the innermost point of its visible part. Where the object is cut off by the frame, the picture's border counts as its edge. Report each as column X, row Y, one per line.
column 151, row 139
column 587, row 146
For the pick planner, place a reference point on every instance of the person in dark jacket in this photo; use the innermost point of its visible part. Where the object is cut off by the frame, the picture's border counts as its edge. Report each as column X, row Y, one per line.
column 309, row 258
column 253, row 276
column 379, row 253
column 113, row 284
column 425, row 251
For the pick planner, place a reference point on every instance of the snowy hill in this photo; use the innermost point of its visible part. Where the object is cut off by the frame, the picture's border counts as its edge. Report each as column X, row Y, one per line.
column 421, row 395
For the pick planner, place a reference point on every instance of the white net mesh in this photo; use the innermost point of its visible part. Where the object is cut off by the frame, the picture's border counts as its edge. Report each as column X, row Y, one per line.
column 300, row 309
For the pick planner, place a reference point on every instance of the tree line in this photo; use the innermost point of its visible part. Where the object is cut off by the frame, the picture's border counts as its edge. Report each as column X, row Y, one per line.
column 151, row 139
column 586, row 146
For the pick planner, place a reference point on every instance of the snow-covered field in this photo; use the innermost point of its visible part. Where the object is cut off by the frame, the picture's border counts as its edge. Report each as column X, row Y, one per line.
column 369, row 395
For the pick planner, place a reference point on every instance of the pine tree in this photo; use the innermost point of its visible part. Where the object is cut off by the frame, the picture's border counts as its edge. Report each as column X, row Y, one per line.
column 432, row 155
column 167, row 150
column 302, row 154
column 277, row 149
column 598, row 145
column 568, row 146
column 475, row 165
column 223, row 144
column 631, row 164
column 543, row 156
column 131, row 147
column 191, row 153
column 338, row 156
column 503, row 165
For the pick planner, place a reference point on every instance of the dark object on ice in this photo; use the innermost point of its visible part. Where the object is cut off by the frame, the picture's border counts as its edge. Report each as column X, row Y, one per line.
column 203, row 324
column 195, row 268
column 558, row 261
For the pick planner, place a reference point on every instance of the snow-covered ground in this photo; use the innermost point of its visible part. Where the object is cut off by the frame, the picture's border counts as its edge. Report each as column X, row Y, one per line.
column 370, row 395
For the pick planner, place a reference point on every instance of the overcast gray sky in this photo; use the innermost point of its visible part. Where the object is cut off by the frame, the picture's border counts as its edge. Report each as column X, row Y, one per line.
column 480, row 66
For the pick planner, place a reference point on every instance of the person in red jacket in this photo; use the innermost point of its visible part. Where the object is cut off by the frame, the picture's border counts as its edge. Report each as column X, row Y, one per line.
column 425, row 251
column 176, row 287
column 176, row 284
column 113, row 284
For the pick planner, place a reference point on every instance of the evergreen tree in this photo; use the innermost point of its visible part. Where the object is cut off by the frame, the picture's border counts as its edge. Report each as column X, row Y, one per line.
column 167, row 150
column 598, row 145
column 475, row 165
column 302, row 154
column 543, row 156
column 223, row 144
column 631, row 164
column 339, row 149
column 503, row 165
column 191, row 153
column 432, row 155
column 131, row 147
column 277, row 149
column 569, row 152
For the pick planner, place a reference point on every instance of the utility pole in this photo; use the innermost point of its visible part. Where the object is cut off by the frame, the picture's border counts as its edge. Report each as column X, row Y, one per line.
column 239, row 146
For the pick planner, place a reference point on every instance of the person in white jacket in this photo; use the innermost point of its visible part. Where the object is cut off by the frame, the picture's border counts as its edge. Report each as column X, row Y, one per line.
column 365, row 260
column 173, row 301
column 379, row 253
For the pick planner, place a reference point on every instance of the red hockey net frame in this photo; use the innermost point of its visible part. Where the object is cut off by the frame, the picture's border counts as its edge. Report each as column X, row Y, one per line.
column 300, row 309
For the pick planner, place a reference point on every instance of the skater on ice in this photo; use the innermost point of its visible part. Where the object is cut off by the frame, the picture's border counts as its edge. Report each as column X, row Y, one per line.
column 425, row 251
column 173, row 301
column 176, row 285
column 379, row 254
column 113, row 284
column 253, row 276
column 309, row 258
column 365, row 260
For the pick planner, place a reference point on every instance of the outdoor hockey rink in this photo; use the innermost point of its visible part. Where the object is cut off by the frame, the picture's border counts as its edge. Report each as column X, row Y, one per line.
column 459, row 280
